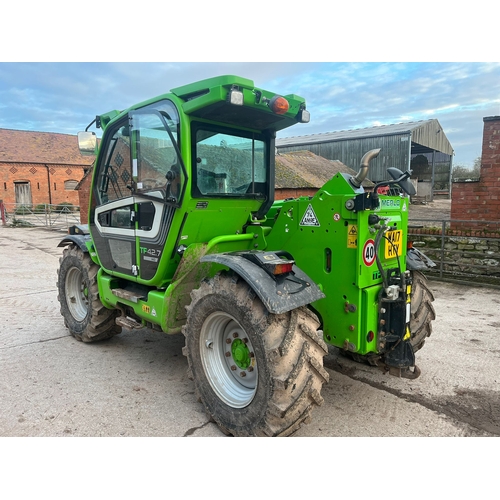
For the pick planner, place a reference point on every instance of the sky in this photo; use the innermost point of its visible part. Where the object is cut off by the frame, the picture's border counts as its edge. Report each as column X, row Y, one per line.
column 359, row 65
column 64, row 97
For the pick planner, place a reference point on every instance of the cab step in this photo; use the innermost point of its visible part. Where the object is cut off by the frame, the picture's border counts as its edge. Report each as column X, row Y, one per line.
column 129, row 323
column 128, row 294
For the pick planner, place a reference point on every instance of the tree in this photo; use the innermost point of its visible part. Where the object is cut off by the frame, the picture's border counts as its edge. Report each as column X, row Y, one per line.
column 462, row 173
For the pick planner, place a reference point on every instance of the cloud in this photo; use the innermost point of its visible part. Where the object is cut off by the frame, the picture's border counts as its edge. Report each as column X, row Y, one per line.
column 65, row 97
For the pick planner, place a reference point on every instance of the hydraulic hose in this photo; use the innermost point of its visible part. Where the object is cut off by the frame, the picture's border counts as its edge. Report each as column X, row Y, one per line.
column 378, row 238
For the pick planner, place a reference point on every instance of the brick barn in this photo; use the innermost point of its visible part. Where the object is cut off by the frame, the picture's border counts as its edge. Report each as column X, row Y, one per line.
column 40, row 168
column 302, row 173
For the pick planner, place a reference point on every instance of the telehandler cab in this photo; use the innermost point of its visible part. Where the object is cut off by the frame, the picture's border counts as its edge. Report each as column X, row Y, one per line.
column 184, row 236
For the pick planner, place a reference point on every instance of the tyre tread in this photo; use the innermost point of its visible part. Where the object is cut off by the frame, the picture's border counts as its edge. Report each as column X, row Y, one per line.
column 294, row 350
column 100, row 322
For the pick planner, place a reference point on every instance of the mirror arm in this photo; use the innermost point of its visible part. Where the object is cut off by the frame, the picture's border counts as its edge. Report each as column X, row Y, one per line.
column 90, row 124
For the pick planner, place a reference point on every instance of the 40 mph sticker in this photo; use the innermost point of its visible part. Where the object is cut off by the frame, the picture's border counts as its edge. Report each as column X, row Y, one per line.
column 369, row 253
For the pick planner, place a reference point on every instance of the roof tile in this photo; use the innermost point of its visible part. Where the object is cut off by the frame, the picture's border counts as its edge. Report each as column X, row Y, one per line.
column 23, row 146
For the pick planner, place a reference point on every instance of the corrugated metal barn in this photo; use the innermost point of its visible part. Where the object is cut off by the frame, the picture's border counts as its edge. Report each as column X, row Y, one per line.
column 420, row 146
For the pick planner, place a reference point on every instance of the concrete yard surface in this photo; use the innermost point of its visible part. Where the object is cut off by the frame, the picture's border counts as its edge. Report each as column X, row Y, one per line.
column 135, row 384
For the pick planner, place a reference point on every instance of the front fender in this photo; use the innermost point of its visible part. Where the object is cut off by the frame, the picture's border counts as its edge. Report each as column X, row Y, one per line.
column 77, row 239
column 279, row 295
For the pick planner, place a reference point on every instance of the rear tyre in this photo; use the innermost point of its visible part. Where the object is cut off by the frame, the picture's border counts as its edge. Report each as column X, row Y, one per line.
column 422, row 311
column 256, row 373
column 84, row 315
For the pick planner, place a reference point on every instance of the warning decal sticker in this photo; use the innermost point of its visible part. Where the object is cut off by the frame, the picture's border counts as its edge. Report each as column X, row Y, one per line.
column 309, row 218
column 352, row 236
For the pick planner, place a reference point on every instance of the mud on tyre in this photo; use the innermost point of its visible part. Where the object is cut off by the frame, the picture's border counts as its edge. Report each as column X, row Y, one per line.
column 422, row 311
column 84, row 315
column 256, row 373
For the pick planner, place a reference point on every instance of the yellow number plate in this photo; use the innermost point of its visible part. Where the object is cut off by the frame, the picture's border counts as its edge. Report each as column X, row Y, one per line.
column 394, row 247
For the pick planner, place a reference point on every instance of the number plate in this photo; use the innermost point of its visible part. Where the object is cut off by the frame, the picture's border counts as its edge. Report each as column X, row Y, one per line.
column 394, row 247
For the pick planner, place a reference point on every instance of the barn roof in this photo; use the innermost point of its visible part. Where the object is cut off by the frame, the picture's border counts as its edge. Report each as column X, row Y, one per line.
column 303, row 169
column 428, row 134
column 23, row 146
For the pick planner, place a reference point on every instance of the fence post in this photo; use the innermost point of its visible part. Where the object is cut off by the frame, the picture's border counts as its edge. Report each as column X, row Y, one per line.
column 2, row 212
column 443, row 229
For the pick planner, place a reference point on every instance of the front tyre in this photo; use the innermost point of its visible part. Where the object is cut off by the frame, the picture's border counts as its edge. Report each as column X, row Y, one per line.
column 256, row 373
column 84, row 314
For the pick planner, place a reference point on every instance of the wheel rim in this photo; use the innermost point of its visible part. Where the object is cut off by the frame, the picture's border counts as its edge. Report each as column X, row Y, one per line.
column 77, row 294
column 227, row 356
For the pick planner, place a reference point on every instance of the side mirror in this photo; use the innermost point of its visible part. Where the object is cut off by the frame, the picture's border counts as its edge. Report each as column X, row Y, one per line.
column 87, row 142
column 403, row 180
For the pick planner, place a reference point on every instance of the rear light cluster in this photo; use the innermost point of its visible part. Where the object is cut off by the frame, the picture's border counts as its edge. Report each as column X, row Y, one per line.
column 281, row 268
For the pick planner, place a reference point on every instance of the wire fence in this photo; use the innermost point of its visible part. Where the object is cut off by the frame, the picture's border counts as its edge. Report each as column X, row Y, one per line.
column 56, row 217
column 464, row 251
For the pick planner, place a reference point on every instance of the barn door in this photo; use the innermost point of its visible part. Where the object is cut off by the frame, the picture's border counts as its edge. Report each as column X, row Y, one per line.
column 23, row 193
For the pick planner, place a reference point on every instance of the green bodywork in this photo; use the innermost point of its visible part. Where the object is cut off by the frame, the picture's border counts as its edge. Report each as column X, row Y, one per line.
column 333, row 253
column 326, row 240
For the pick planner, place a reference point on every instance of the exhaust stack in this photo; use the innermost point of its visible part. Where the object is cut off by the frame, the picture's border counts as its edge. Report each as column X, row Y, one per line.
column 365, row 161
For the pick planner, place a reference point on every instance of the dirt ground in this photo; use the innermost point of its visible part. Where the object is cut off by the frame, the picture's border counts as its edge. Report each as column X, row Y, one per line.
column 135, row 384
column 439, row 209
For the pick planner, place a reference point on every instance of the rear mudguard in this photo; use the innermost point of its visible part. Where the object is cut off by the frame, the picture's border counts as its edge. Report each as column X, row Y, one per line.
column 279, row 294
column 418, row 261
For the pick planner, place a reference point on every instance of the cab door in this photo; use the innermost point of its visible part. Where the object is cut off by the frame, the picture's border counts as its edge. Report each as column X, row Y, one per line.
column 137, row 189
column 159, row 178
column 112, row 214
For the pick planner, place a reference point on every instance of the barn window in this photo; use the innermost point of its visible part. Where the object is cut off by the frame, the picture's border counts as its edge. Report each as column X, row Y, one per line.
column 70, row 185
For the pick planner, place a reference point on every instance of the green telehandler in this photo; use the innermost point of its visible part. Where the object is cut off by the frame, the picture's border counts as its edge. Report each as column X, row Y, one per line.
column 184, row 236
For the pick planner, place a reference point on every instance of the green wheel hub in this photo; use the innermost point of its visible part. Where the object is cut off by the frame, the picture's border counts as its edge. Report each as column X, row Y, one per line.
column 241, row 354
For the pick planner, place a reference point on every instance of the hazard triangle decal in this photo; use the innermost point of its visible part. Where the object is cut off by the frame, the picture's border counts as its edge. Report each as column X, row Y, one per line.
column 309, row 218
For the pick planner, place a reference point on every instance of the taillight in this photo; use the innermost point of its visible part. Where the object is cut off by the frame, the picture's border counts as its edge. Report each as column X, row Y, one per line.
column 283, row 268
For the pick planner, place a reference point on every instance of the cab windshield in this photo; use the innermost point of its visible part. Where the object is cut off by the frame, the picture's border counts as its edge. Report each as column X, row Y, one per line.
column 229, row 164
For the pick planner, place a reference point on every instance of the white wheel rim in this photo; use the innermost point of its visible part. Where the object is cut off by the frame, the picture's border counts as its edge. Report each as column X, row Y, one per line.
column 76, row 294
column 227, row 356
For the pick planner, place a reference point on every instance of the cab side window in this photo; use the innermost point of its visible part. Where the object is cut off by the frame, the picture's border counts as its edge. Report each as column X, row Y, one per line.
column 156, row 163
column 115, row 178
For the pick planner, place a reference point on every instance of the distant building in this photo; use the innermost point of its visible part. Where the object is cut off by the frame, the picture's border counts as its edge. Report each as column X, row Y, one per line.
column 420, row 146
column 302, row 173
column 40, row 167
